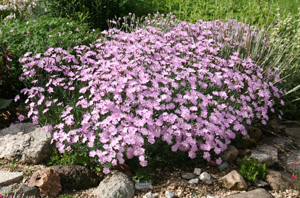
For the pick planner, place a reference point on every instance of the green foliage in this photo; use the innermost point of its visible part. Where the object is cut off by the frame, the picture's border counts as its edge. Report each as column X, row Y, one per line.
column 286, row 35
column 79, row 155
column 66, row 196
column 251, row 169
column 4, row 103
column 97, row 12
column 37, row 36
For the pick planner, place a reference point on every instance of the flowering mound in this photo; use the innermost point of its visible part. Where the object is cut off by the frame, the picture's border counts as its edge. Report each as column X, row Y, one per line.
column 131, row 88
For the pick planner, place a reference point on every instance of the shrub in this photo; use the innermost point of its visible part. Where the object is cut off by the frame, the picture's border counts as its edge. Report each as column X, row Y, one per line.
column 97, row 12
column 37, row 36
column 132, row 88
column 252, row 170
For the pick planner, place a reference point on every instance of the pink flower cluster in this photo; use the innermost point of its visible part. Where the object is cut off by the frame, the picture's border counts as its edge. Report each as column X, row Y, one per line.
column 132, row 88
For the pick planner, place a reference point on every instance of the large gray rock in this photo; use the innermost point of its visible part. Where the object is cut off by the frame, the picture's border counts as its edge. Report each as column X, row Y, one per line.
column 257, row 193
column 16, row 189
column 233, row 181
column 24, row 143
column 117, row 184
column 270, row 150
column 262, row 157
column 76, row 177
column 7, row 178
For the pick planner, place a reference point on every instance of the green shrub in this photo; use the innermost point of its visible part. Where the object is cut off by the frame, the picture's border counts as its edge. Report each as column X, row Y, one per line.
column 37, row 36
column 252, row 170
column 97, row 12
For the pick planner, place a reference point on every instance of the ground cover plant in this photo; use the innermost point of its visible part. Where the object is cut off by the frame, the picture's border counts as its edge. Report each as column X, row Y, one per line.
column 171, row 81
column 252, row 170
column 36, row 36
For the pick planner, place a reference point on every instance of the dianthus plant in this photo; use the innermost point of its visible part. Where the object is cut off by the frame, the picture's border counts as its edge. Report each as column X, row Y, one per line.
column 134, row 87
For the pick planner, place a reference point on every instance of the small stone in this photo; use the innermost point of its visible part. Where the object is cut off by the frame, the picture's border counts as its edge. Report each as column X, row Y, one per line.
column 197, row 171
column 261, row 183
column 230, row 154
column 180, row 193
column 194, row 181
column 223, row 166
column 187, row 175
column 233, row 181
column 205, row 177
column 145, row 185
column 148, row 195
column 168, row 194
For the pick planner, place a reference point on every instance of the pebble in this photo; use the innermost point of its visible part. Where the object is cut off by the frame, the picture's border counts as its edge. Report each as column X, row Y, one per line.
column 223, row 166
column 148, row 195
column 187, row 175
column 168, row 194
column 205, row 177
column 197, row 171
column 194, row 181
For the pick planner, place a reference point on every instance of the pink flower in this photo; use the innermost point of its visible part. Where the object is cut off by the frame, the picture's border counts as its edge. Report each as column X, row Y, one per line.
column 106, row 170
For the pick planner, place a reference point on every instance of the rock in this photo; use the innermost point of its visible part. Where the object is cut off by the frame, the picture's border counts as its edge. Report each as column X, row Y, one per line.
column 292, row 157
column 25, row 143
column 230, row 154
column 282, row 142
column 205, row 177
column 270, row 150
column 244, row 152
column 180, row 193
column 168, row 194
column 261, row 183
column 148, row 195
column 197, row 171
column 257, row 193
column 187, row 176
column 293, row 132
column 145, row 185
column 47, row 180
column 7, row 178
column 76, row 177
column 233, row 181
column 194, row 181
column 16, row 189
column 262, row 157
column 280, row 181
column 223, row 166
column 116, row 184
